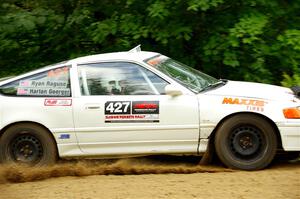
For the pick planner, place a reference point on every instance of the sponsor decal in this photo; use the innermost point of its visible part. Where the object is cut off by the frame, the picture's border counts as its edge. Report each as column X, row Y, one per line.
column 145, row 107
column 58, row 102
column 156, row 60
column 251, row 104
column 64, row 136
column 58, row 72
column 131, row 112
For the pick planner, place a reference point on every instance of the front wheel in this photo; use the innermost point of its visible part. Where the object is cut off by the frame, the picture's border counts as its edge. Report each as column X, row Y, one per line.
column 246, row 142
column 27, row 144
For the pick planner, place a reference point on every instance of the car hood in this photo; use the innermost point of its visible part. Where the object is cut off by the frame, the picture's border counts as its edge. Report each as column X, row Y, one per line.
column 253, row 90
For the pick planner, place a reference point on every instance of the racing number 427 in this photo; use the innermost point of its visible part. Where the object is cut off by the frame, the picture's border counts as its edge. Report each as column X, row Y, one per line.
column 117, row 107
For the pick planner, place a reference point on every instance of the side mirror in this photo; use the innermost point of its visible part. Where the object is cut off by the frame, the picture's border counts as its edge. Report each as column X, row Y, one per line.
column 172, row 90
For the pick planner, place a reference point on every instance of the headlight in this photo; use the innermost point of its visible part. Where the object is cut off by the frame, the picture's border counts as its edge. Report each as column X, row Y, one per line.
column 292, row 113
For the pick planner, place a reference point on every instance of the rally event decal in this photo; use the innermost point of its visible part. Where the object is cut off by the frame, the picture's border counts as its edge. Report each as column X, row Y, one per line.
column 131, row 111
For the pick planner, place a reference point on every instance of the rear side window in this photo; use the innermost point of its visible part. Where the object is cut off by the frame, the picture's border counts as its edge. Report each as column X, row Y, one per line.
column 52, row 83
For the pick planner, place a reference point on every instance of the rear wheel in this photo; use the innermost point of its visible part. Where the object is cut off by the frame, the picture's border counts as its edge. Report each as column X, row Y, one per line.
column 27, row 144
column 246, row 142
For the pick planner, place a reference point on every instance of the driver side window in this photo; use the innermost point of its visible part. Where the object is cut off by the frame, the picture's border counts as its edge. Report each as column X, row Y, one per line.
column 119, row 78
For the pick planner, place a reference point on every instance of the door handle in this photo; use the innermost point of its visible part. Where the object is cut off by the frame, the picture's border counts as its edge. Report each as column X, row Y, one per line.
column 92, row 106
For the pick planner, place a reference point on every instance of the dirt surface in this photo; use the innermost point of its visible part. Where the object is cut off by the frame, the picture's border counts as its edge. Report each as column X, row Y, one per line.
column 153, row 177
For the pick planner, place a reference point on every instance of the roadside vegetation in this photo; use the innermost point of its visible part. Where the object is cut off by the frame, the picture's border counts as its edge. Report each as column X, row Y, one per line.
column 252, row 40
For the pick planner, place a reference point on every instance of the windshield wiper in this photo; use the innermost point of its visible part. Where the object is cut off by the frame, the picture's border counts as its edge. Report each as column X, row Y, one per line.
column 222, row 82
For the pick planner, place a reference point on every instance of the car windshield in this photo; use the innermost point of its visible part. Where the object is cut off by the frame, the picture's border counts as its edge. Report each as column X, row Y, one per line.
column 183, row 74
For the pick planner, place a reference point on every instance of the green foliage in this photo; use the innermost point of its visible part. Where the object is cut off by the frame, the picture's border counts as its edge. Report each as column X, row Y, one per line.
column 248, row 29
column 289, row 81
column 290, row 38
column 253, row 40
column 203, row 5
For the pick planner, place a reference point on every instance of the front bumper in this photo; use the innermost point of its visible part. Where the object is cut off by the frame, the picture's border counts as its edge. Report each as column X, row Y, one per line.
column 290, row 135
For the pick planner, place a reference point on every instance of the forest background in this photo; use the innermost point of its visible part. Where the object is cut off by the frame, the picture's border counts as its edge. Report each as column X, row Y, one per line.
column 251, row 40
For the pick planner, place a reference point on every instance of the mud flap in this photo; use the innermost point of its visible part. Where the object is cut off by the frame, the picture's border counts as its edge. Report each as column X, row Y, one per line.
column 208, row 156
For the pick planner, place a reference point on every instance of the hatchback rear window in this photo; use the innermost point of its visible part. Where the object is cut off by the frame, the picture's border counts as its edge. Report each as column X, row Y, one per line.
column 52, row 83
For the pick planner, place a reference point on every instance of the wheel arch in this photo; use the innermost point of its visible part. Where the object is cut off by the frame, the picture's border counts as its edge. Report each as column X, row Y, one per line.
column 272, row 123
column 30, row 122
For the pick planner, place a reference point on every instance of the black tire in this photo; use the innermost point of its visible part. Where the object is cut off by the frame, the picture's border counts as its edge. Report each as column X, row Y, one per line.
column 28, row 144
column 287, row 156
column 246, row 142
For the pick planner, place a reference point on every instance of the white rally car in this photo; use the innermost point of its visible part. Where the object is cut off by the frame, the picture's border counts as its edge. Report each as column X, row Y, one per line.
column 141, row 103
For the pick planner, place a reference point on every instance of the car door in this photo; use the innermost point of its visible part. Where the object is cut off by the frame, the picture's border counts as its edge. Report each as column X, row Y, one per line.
column 123, row 109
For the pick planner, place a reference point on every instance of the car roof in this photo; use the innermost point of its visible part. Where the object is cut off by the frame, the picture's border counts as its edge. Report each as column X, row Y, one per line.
column 116, row 56
column 132, row 56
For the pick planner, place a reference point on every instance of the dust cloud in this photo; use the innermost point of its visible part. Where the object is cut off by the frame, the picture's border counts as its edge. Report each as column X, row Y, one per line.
column 130, row 166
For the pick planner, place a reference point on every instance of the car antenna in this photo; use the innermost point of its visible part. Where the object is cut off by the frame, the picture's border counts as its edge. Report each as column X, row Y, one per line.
column 136, row 49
